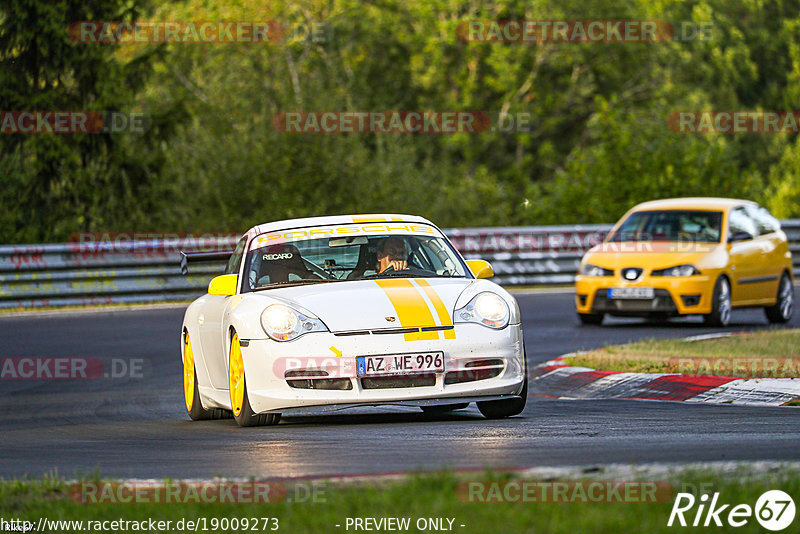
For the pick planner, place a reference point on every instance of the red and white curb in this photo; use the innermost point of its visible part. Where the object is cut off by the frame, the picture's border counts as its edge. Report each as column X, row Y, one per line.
column 557, row 379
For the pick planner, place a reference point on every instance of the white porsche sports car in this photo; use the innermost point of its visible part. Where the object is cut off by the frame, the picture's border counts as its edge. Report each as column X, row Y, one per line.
column 327, row 313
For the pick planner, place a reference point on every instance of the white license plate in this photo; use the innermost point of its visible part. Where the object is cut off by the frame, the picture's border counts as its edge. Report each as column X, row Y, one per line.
column 400, row 364
column 631, row 293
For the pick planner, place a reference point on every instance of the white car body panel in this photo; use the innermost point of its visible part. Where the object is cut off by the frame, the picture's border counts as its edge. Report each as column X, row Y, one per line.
column 347, row 306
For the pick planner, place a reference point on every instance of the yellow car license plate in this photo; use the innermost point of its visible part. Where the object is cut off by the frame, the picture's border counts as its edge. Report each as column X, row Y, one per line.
column 631, row 293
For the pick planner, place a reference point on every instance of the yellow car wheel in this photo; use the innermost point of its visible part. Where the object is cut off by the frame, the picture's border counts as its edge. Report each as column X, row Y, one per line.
column 720, row 304
column 781, row 312
column 189, row 382
column 191, row 392
column 240, row 404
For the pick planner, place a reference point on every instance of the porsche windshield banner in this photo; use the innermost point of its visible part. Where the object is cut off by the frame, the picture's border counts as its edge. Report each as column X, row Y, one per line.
column 345, row 230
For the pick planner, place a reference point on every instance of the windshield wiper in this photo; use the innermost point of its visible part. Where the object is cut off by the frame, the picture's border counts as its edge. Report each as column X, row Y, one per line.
column 403, row 274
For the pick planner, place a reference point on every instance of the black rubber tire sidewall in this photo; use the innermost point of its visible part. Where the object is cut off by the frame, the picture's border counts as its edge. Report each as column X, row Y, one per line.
column 773, row 313
column 714, row 318
column 500, row 409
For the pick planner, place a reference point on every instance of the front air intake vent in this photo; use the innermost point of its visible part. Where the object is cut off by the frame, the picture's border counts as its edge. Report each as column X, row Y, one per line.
column 390, row 382
column 380, row 331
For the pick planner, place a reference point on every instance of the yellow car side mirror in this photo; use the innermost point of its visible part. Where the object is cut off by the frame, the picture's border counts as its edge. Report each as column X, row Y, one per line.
column 480, row 268
column 223, row 285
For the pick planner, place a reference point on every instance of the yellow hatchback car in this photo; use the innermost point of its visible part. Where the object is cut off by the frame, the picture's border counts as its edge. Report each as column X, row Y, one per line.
column 688, row 256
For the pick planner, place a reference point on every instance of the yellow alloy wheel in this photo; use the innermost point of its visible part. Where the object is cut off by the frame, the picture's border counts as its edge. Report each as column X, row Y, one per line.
column 188, row 372
column 236, row 376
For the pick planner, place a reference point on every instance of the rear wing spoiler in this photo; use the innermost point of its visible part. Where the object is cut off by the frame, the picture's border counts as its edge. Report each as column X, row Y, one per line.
column 200, row 257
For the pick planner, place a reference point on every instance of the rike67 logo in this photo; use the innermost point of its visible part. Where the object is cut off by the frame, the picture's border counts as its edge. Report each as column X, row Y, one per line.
column 774, row 510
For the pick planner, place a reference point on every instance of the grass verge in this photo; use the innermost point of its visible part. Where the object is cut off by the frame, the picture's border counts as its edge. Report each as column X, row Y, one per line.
column 440, row 496
column 762, row 354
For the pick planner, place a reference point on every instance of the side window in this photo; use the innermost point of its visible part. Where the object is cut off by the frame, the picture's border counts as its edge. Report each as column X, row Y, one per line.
column 740, row 221
column 437, row 258
column 765, row 223
column 422, row 257
column 236, row 257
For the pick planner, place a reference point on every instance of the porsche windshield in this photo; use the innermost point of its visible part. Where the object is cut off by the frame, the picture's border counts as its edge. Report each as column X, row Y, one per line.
column 670, row 225
column 349, row 257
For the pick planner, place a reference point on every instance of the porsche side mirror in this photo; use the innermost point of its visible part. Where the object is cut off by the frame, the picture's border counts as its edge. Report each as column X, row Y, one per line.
column 739, row 236
column 223, row 285
column 480, row 268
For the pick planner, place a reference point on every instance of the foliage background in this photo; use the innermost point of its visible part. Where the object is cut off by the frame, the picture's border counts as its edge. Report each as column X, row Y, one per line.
column 212, row 160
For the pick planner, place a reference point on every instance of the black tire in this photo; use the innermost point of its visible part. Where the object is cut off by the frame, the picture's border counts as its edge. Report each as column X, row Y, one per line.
column 781, row 312
column 500, row 409
column 249, row 418
column 720, row 304
column 246, row 415
column 444, row 408
column 198, row 413
column 591, row 318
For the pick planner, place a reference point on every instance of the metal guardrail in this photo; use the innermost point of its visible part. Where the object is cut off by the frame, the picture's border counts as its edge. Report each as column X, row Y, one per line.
column 73, row 274
column 105, row 272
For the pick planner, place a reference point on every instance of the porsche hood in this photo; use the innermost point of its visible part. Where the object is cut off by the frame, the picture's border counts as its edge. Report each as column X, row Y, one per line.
column 388, row 303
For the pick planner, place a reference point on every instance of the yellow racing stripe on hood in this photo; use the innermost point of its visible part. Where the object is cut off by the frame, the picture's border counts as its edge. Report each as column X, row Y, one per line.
column 411, row 308
column 441, row 310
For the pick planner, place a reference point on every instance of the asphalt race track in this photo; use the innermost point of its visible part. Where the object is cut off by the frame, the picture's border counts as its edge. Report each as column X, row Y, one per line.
column 136, row 426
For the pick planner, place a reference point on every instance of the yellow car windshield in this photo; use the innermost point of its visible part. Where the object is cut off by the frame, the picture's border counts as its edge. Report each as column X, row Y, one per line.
column 671, row 225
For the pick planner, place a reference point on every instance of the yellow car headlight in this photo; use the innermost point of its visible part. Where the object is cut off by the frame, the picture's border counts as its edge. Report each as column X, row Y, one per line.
column 679, row 270
column 588, row 269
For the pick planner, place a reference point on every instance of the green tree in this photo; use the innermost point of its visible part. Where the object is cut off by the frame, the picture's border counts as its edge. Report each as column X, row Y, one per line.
column 58, row 184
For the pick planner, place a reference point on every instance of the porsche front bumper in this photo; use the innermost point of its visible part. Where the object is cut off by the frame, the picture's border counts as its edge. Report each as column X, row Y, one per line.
column 318, row 370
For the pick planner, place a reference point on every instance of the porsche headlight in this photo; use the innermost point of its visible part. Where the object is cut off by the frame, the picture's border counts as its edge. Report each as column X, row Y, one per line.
column 588, row 269
column 680, row 270
column 487, row 309
column 283, row 323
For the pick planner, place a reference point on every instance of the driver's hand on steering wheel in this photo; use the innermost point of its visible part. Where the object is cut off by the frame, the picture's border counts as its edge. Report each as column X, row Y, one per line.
column 396, row 265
